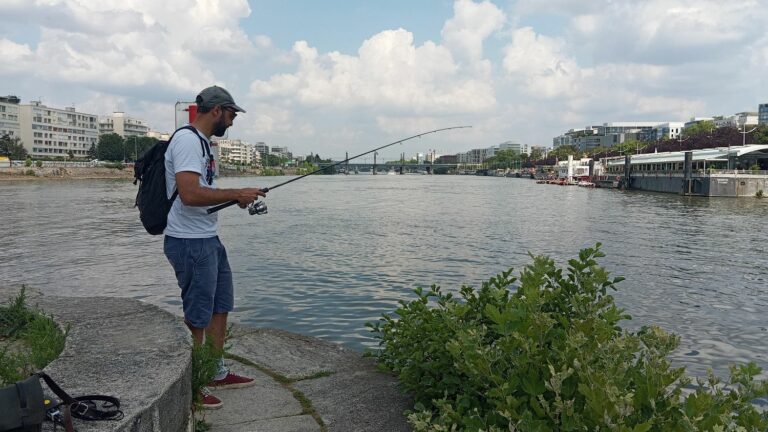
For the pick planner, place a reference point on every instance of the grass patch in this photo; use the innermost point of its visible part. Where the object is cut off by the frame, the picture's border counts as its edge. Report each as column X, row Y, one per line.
column 29, row 340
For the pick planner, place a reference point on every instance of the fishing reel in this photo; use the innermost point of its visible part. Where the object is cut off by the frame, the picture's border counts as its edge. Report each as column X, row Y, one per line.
column 257, row 208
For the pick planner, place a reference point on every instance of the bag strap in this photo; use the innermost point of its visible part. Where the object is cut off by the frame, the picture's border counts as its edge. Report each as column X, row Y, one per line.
column 85, row 407
column 203, row 145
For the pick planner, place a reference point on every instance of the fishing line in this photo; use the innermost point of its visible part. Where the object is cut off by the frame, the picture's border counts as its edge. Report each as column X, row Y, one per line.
column 258, row 207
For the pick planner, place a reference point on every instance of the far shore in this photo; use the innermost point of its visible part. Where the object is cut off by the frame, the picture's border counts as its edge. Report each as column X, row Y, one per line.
column 91, row 173
column 62, row 173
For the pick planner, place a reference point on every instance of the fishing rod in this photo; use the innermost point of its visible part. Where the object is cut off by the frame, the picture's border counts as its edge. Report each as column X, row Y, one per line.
column 258, row 207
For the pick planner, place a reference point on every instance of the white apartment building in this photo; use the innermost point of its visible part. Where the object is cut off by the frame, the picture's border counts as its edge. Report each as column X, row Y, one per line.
column 123, row 125
column 669, row 130
column 10, row 122
column 238, row 152
column 162, row 136
column 47, row 131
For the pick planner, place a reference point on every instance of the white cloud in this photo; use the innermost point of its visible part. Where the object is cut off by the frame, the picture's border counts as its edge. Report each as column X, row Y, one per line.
column 541, row 65
column 132, row 44
column 16, row 57
column 389, row 74
column 471, row 24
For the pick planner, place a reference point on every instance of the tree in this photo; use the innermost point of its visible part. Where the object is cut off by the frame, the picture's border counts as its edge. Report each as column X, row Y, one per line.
column 564, row 151
column 700, row 128
column 761, row 134
column 537, row 154
column 111, row 147
column 92, row 152
column 71, row 155
column 273, row 160
column 12, row 148
column 503, row 158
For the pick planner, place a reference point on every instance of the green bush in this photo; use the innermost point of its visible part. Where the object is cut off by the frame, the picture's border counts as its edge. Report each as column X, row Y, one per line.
column 28, row 162
column 31, row 340
column 547, row 354
column 39, row 164
column 115, row 165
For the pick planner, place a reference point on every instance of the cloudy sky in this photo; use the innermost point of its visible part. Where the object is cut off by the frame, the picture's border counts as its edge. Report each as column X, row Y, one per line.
column 333, row 76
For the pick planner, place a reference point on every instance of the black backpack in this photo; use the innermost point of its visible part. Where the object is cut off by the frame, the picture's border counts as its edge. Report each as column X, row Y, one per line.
column 149, row 172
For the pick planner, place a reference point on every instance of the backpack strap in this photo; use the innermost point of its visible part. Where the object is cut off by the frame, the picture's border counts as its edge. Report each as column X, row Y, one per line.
column 203, row 145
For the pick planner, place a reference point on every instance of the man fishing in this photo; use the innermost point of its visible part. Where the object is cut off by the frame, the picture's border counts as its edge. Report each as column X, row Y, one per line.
column 191, row 242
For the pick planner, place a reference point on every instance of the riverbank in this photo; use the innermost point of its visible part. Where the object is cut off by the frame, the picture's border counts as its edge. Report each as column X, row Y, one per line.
column 140, row 354
column 94, row 173
column 63, row 173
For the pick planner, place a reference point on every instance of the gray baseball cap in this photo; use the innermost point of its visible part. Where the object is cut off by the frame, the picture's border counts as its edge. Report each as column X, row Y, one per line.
column 215, row 95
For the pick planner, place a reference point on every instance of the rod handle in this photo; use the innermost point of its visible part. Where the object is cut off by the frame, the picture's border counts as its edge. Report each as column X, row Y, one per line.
column 229, row 203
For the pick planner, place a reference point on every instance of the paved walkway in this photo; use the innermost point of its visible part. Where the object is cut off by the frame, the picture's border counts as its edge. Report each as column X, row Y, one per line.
column 306, row 384
column 140, row 353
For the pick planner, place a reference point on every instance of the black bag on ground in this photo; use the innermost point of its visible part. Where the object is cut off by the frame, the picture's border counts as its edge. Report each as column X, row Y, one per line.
column 149, row 172
column 22, row 406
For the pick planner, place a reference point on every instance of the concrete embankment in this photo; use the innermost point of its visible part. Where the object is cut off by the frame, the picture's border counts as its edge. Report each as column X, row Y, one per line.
column 64, row 173
column 140, row 354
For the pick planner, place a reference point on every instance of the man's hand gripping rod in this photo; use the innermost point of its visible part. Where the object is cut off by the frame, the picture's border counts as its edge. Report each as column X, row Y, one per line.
column 259, row 207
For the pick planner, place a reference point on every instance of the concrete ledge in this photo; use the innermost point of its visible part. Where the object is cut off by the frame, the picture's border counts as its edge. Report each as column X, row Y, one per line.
column 141, row 354
column 124, row 348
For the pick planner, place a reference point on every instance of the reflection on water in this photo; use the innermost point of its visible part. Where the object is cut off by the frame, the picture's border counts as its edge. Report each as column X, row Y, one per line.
column 337, row 251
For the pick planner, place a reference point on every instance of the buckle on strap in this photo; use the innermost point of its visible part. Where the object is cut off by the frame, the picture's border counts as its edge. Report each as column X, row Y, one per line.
column 79, row 408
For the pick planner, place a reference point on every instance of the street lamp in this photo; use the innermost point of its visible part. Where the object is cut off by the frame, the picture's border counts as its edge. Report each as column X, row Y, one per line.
column 743, row 140
column 135, row 147
column 744, row 134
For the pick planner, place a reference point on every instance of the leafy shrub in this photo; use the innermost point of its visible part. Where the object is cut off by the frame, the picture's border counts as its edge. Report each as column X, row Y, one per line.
column 39, row 164
column 116, row 165
column 548, row 354
column 31, row 340
column 759, row 193
column 28, row 162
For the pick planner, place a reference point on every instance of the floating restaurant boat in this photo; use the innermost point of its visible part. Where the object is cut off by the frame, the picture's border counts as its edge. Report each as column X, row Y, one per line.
column 706, row 172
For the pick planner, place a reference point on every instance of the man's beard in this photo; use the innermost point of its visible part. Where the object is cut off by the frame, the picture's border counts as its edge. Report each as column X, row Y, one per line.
column 220, row 127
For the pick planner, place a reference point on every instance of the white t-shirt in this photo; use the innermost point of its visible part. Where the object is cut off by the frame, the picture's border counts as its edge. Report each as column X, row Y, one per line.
column 186, row 153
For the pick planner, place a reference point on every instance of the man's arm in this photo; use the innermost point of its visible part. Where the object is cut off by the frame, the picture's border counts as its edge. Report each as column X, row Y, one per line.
column 192, row 194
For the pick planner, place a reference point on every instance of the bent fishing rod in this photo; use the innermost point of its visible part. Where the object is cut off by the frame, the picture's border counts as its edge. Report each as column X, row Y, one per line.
column 259, row 207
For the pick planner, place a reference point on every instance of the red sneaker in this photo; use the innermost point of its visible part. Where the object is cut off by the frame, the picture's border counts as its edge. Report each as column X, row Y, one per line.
column 209, row 401
column 232, row 381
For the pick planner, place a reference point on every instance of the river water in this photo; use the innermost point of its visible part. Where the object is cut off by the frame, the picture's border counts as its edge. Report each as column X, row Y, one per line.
column 335, row 252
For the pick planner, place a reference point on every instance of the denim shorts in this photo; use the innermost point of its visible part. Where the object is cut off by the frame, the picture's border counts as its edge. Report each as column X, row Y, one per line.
column 204, row 276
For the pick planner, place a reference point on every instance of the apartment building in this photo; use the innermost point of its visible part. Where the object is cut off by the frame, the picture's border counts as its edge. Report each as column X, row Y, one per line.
column 123, row 125
column 238, row 152
column 281, row 152
column 47, row 131
column 10, row 123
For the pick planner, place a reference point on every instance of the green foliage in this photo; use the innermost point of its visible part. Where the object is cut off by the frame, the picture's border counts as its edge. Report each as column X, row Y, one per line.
column 760, row 135
column 111, row 147
column 205, row 364
column 117, row 165
column 12, row 147
column 15, row 316
column 759, row 194
column 31, row 340
column 562, row 152
column 701, row 128
column 39, row 163
column 505, row 158
column 271, row 172
column 546, row 353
